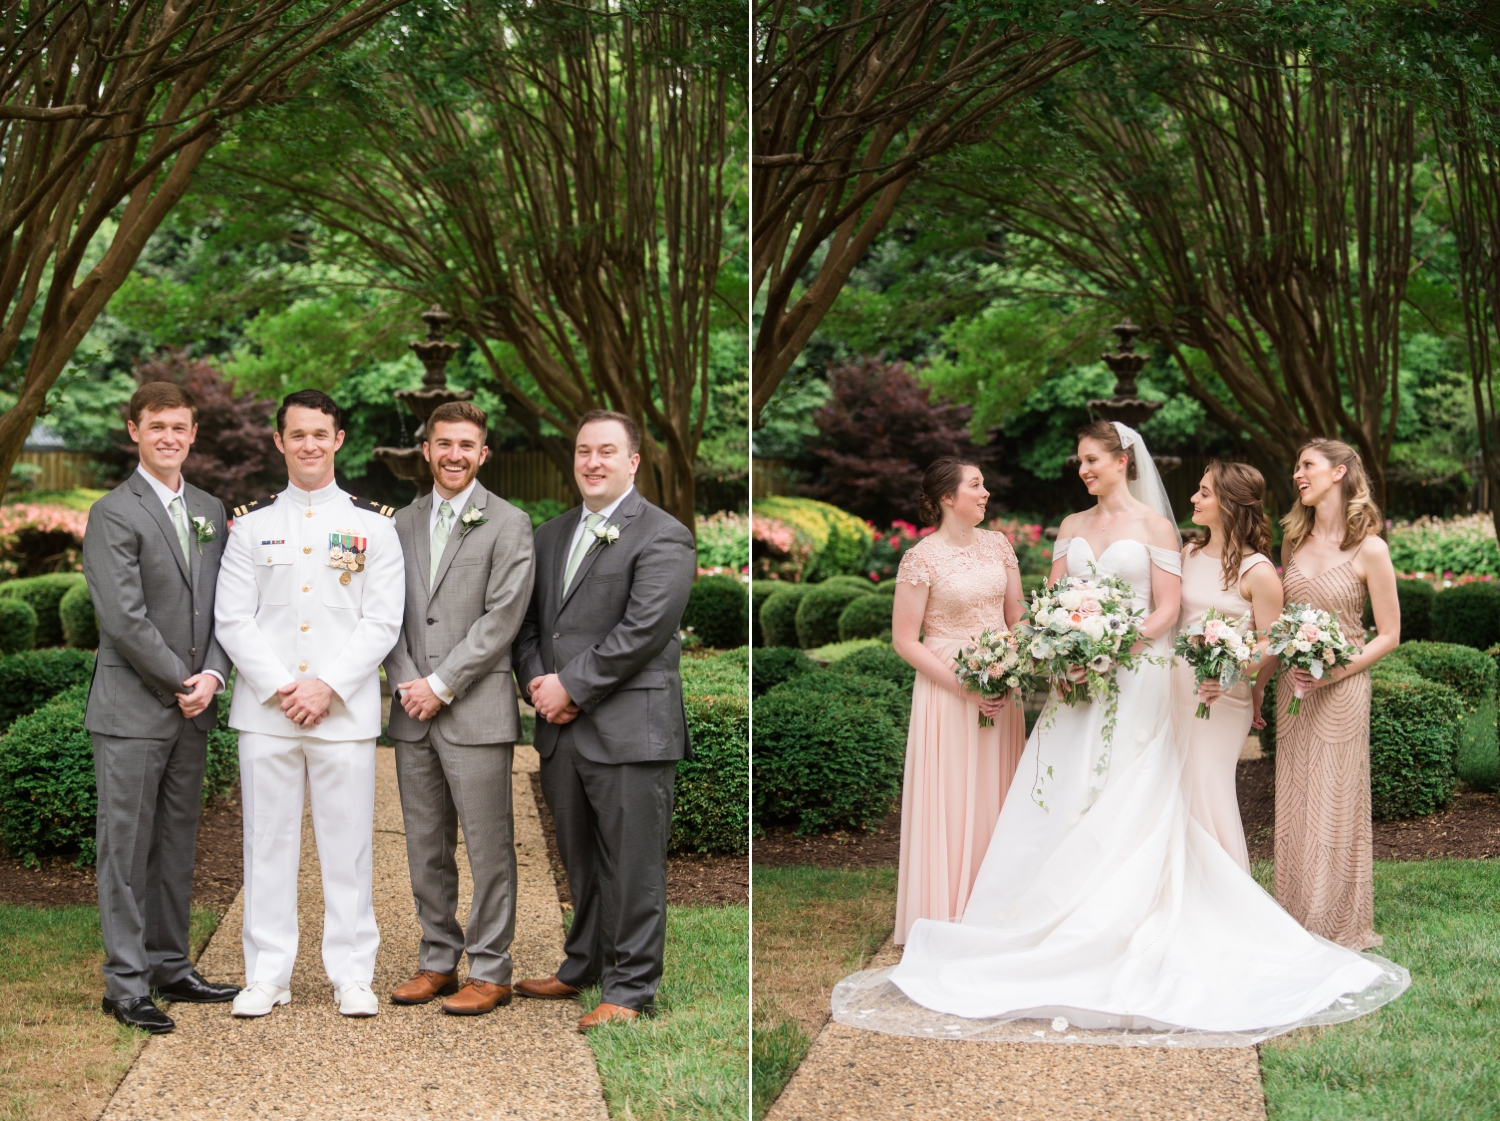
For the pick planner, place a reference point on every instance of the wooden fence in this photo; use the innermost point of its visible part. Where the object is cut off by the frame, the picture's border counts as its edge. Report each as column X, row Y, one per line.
column 528, row 476
column 769, row 477
column 60, row 470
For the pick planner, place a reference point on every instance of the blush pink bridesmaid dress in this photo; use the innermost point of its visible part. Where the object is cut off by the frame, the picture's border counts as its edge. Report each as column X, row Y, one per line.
column 957, row 773
column 1214, row 744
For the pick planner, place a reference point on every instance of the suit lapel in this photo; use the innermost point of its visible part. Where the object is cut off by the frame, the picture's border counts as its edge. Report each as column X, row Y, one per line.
column 422, row 532
column 456, row 536
column 158, row 512
column 621, row 517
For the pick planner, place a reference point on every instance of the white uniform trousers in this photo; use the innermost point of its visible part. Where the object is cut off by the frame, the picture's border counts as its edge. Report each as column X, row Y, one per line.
column 342, row 777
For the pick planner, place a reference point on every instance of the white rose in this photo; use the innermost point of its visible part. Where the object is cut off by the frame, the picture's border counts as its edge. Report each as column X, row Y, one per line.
column 1302, row 646
column 1093, row 626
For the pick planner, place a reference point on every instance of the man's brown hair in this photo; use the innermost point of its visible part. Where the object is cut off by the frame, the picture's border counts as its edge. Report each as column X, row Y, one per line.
column 455, row 411
column 632, row 430
column 155, row 396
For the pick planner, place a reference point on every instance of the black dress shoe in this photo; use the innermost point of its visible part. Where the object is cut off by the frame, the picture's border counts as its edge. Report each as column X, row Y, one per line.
column 139, row 1012
column 195, row 990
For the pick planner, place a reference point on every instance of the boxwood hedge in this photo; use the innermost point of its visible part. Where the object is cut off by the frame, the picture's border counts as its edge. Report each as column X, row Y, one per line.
column 775, row 664
column 778, row 615
column 1415, row 732
column 44, row 594
column 1416, row 599
column 79, row 622
column 866, row 617
column 710, row 809
column 17, row 626
column 760, row 591
column 1468, row 614
column 716, row 611
column 31, row 678
column 818, row 613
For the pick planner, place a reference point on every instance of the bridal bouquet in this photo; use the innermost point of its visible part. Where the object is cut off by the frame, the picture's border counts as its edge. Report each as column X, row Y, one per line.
column 1216, row 647
column 1309, row 638
column 992, row 665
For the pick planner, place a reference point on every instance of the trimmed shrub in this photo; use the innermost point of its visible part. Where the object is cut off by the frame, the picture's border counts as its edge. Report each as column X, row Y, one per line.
column 47, row 795
column 1473, row 676
column 716, row 612
column 818, row 613
column 31, row 678
column 79, row 622
column 828, row 753
column 778, row 615
column 866, row 617
column 1416, row 598
column 222, row 770
column 881, row 662
column 1031, row 584
column 1468, row 615
column 1415, row 731
column 775, row 664
column 44, row 594
column 710, row 811
column 760, row 591
column 838, row 651
column 841, row 542
column 1268, row 714
column 857, row 583
column 17, row 626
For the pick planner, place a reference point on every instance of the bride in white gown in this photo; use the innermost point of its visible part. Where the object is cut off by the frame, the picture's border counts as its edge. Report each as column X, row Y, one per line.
column 1112, row 908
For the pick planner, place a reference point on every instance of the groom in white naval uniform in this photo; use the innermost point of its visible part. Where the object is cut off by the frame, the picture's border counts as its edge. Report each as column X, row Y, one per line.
column 309, row 603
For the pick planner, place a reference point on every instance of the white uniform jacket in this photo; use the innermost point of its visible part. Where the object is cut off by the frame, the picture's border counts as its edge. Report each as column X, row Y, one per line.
column 284, row 614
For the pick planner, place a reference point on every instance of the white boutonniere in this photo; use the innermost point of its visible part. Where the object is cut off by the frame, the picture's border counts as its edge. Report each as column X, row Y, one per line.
column 470, row 518
column 205, row 531
column 604, row 535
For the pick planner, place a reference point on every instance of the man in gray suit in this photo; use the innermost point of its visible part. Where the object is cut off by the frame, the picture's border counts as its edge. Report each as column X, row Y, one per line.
column 468, row 581
column 151, row 556
column 599, row 652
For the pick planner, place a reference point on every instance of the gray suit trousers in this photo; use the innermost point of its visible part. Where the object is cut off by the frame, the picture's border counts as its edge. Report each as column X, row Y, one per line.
column 443, row 786
column 613, row 823
column 150, row 791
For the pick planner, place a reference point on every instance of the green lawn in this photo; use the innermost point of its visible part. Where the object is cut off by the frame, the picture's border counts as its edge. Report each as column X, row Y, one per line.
column 690, row 1061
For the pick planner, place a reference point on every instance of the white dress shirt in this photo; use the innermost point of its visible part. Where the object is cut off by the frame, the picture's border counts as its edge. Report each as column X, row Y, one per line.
column 457, row 502
column 584, row 512
column 167, row 498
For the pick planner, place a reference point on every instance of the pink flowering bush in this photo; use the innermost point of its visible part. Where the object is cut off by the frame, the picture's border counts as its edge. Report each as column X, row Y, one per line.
column 890, row 545
column 1033, row 552
column 36, row 539
column 780, row 550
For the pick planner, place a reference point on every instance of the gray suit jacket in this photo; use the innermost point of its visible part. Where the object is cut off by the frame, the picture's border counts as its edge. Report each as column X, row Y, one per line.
column 156, row 610
column 612, row 640
column 463, row 628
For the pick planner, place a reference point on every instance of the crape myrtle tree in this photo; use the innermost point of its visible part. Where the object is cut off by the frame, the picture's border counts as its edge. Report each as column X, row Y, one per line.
column 558, row 177
column 106, row 111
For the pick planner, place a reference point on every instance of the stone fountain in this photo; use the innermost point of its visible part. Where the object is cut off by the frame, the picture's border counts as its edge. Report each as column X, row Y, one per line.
column 434, row 352
column 1126, row 405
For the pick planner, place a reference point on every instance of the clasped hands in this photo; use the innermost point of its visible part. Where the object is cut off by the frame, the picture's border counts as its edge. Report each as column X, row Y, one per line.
column 306, row 703
column 201, row 688
column 418, row 699
column 550, row 699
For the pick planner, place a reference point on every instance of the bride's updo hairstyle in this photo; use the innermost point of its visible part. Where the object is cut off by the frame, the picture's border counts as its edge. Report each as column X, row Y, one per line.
column 1362, row 518
column 940, row 481
column 1241, row 491
column 1107, row 436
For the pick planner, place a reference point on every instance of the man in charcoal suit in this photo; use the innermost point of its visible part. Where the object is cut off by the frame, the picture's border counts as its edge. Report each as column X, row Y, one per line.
column 151, row 555
column 455, row 720
column 599, row 654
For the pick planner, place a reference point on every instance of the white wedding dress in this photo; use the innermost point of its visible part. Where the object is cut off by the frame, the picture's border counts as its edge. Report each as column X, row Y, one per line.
column 1112, row 908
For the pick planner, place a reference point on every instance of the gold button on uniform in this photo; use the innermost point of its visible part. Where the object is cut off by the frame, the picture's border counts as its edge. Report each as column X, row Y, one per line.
column 307, row 587
column 304, row 626
column 307, row 548
column 309, row 513
column 302, row 666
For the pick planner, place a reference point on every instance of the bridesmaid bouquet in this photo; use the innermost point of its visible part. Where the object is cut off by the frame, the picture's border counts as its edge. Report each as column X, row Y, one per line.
column 1309, row 638
column 1216, row 647
column 993, row 664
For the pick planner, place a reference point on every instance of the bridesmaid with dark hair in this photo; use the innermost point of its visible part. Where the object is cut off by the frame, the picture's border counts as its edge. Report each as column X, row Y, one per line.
column 954, row 584
column 1229, row 568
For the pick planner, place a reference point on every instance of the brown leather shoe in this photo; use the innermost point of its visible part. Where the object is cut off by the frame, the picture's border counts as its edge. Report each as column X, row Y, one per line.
column 427, row 984
column 546, row 988
column 476, row 998
column 606, row 1014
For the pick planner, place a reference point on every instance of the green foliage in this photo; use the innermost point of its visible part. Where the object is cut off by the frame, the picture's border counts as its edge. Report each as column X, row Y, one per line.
column 841, row 542
column 44, row 594
column 1415, row 730
column 818, row 613
column 724, row 540
column 838, row 651
column 79, row 622
column 1416, row 598
column 866, row 617
column 542, row 510
column 31, row 678
column 716, row 611
column 47, row 796
column 720, row 673
column 775, row 664
column 1032, row 583
column 1268, row 714
column 1468, row 614
column 17, row 626
column 1462, row 546
column 760, row 591
column 856, row 583
column 1467, row 671
column 710, row 810
column 880, row 662
column 778, row 615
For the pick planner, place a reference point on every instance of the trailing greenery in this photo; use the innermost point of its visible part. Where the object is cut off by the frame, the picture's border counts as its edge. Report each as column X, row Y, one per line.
column 716, row 612
column 840, row 541
column 775, row 664
column 710, row 811
column 866, row 617
column 31, row 678
column 1468, row 614
column 17, row 626
column 1415, row 731
column 818, row 613
column 760, row 591
column 79, row 622
column 44, row 594
column 778, row 615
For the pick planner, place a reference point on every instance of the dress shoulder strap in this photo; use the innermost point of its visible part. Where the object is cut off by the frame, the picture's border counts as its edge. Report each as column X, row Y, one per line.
column 1168, row 560
column 1060, row 547
column 1252, row 560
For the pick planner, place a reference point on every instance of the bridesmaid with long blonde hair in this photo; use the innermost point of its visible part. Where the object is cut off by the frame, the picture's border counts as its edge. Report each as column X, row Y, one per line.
column 954, row 584
column 1334, row 556
column 1229, row 568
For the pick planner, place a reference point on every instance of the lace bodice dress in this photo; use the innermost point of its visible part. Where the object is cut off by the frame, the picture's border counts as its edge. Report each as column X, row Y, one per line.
column 957, row 773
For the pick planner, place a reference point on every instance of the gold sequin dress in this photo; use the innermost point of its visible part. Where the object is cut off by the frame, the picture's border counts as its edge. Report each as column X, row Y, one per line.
column 1324, row 849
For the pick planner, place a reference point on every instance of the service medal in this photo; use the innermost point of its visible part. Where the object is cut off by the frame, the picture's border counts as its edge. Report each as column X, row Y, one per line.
column 346, row 551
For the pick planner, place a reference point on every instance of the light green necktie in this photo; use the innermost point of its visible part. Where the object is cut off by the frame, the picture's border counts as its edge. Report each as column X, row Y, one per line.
column 179, row 520
column 590, row 523
column 440, row 540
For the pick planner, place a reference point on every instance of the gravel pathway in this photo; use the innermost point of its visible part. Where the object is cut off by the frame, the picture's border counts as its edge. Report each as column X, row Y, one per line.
column 867, row 1076
column 305, row 1061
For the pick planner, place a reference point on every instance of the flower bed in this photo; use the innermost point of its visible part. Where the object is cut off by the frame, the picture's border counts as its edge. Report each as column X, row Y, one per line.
column 35, row 539
column 1450, row 548
column 723, row 543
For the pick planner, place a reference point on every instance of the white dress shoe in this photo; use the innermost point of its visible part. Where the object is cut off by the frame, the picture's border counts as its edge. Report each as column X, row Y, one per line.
column 260, row 998
column 356, row 999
